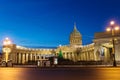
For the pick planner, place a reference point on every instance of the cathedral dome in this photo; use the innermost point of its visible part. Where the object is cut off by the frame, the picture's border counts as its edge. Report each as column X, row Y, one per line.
column 75, row 37
column 75, row 32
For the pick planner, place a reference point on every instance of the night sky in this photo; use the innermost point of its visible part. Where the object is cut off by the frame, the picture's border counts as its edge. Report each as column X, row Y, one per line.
column 50, row 22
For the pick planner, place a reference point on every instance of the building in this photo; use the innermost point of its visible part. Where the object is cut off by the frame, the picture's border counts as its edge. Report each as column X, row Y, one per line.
column 22, row 55
column 75, row 37
column 99, row 50
column 103, row 45
column 75, row 51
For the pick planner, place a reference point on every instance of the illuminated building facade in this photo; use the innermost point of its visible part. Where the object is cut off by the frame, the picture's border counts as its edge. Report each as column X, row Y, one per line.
column 99, row 50
column 21, row 55
column 104, row 46
column 76, row 51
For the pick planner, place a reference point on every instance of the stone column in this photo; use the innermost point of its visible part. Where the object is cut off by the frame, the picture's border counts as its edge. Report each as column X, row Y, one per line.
column 19, row 58
column 73, row 56
column 83, row 56
column 44, row 57
column 27, row 57
column 31, row 56
column 88, row 58
column 92, row 55
column 80, row 57
column 69, row 56
column 89, row 55
column 23, row 58
column 86, row 55
column 66, row 55
column 40, row 56
column 35, row 57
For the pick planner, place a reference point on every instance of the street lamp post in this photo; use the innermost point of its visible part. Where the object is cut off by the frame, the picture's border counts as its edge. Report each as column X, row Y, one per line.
column 113, row 28
column 6, row 48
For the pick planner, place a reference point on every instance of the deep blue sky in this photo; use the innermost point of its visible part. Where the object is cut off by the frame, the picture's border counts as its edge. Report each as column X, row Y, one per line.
column 50, row 22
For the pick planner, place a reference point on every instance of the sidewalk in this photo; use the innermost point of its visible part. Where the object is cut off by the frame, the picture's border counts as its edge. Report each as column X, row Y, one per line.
column 77, row 66
column 86, row 66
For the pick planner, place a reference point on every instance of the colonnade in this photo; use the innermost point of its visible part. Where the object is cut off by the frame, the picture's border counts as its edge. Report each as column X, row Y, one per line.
column 21, row 55
column 69, row 55
column 82, row 56
column 86, row 56
column 22, row 58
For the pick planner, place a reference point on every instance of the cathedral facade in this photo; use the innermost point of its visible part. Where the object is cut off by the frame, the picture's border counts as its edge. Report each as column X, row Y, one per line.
column 99, row 50
column 75, row 50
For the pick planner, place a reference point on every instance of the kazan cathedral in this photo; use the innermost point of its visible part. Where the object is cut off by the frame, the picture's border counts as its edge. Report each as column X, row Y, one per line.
column 99, row 50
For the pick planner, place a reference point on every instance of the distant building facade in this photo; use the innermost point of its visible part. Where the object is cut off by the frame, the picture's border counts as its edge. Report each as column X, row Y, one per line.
column 99, row 50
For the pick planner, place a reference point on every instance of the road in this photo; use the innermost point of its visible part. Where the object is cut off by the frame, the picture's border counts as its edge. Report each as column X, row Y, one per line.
column 82, row 73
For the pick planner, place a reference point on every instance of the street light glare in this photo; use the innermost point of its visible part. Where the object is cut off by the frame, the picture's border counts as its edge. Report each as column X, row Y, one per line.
column 7, row 41
column 117, row 28
column 6, row 38
column 108, row 29
column 112, row 22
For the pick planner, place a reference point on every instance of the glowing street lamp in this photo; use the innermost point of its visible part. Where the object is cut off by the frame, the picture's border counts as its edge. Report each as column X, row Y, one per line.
column 113, row 28
column 117, row 28
column 6, row 48
column 108, row 29
column 112, row 22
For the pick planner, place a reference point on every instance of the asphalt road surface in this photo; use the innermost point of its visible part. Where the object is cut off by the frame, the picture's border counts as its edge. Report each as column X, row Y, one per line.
column 92, row 73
